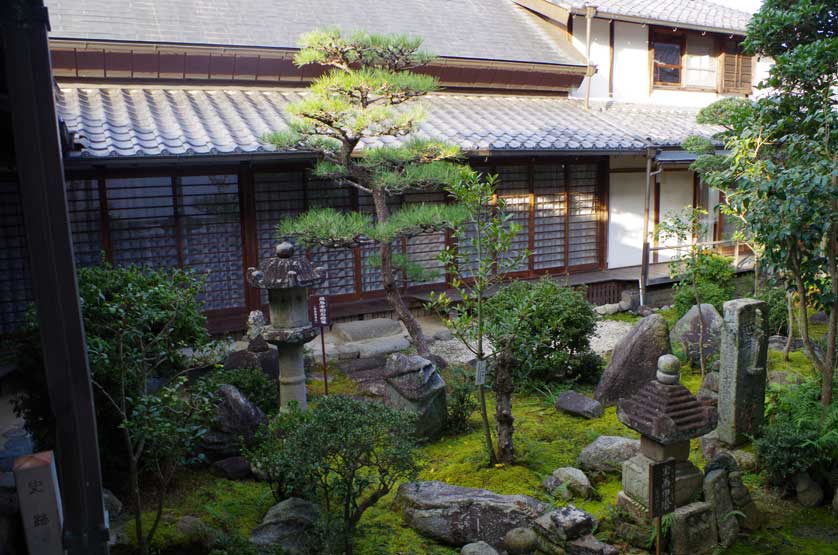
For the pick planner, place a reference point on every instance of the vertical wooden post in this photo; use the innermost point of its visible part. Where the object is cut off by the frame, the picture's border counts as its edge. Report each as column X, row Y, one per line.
column 644, row 260
column 41, row 172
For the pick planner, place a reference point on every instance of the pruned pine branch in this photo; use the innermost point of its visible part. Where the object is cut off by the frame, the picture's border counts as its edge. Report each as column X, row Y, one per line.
column 326, row 227
column 330, row 48
column 416, row 219
column 366, row 86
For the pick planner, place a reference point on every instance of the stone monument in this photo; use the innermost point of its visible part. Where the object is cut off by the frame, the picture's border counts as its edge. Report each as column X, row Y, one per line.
column 287, row 277
column 744, row 357
column 413, row 383
column 667, row 416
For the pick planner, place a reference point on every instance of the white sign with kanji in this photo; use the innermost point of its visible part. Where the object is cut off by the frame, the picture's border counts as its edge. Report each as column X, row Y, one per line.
column 40, row 503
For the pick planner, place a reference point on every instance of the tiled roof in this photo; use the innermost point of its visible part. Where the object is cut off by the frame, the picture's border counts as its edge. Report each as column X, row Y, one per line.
column 114, row 121
column 480, row 29
column 701, row 14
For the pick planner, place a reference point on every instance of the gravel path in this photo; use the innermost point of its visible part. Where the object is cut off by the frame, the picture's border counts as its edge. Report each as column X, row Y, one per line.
column 608, row 334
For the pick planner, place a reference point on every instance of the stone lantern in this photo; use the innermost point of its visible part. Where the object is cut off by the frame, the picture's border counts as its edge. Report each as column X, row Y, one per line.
column 287, row 277
column 667, row 416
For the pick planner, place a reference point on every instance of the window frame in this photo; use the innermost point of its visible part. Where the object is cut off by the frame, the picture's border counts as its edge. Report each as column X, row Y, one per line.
column 666, row 36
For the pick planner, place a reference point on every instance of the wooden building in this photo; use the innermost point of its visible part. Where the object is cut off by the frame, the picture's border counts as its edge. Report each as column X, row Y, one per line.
column 163, row 108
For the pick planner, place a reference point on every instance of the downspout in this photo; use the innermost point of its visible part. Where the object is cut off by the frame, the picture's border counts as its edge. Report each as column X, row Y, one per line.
column 644, row 261
column 590, row 12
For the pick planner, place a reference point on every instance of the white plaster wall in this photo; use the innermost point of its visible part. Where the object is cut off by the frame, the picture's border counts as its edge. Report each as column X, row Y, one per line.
column 676, row 192
column 631, row 62
column 625, row 218
column 600, row 55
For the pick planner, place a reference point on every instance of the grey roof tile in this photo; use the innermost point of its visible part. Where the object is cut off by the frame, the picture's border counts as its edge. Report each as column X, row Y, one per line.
column 153, row 121
column 695, row 13
column 481, row 29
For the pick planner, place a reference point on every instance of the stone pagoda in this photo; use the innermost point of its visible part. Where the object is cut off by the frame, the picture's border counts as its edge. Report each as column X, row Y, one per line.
column 288, row 277
column 667, row 416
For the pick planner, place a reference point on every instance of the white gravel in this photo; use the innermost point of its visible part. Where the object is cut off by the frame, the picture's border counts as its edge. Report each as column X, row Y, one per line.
column 608, row 334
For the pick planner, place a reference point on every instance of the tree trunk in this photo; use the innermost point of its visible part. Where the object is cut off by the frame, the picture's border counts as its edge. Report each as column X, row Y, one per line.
column 134, row 480
column 503, row 387
column 490, row 450
column 790, row 326
column 388, row 278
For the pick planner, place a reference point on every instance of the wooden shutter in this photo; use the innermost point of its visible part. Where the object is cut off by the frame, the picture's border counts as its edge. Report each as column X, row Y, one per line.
column 737, row 69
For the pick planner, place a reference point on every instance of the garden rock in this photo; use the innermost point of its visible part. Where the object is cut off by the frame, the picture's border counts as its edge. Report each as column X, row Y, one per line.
column 717, row 493
column 745, row 460
column 232, row 468
column 711, row 382
column 573, row 480
column 196, row 531
column 520, row 541
column 566, row 523
column 478, row 548
column 809, row 492
column 710, row 445
column 635, row 360
column 414, row 384
column 694, row 530
column 723, row 460
column 687, row 333
column 379, row 346
column 362, row 330
column 236, row 418
column 589, row 545
column 579, row 405
column 112, row 504
column 607, row 453
column 751, row 517
column 456, row 515
column 443, row 335
column 286, row 525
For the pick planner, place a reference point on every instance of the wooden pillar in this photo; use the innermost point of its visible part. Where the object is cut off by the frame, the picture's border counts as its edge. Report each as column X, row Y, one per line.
column 644, row 259
column 41, row 173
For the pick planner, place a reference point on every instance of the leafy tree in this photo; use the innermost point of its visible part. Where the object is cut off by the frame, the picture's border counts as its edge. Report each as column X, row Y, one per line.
column 688, row 264
column 366, row 93
column 137, row 321
column 477, row 261
column 781, row 174
column 344, row 452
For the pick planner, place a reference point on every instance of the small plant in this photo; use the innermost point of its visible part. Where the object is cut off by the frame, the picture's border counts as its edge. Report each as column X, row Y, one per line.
column 778, row 312
column 345, row 453
column 461, row 401
column 798, row 437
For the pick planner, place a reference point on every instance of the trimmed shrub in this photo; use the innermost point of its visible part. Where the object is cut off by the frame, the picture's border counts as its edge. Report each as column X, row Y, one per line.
column 553, row 344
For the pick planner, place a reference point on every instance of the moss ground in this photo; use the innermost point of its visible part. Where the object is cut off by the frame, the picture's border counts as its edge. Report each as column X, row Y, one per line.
column 545, row 440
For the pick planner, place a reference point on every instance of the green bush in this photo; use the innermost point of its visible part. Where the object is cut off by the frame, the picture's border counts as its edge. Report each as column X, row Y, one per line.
column 713, row 276
column 344, row 453
column 251, row 382
column 554, row 342
column 797, row 438
column 461, row 400
column 131, row 315
column 778, row 312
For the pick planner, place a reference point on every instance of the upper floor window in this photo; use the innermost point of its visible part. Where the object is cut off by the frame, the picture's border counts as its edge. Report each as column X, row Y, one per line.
column 668, row 55
column 701, row 62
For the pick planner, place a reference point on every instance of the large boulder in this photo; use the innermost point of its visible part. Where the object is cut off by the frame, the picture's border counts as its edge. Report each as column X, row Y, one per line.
column 232, row 468
column 687, row 333
column 635, row 360
column 568, row 482
column 607, row 453
column 563, row 524
column 236, row 419
column 286, row 525
column 414, row 384
column 456, row 515
column 579, row 405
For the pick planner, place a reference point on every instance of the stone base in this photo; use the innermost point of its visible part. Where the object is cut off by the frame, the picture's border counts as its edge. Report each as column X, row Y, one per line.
column 658, row 452
column 688, row 480
column 635, row 510
column 694, row 530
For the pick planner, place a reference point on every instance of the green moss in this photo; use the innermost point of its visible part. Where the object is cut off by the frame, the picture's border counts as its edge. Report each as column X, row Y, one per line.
column 628, row 317
column 798, row 363
column 339, row 383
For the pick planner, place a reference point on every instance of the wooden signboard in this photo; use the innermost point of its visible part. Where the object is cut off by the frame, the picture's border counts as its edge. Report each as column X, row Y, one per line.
column 661, row 488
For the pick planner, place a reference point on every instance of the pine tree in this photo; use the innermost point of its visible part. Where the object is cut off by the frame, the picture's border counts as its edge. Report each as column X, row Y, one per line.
column 369, row 90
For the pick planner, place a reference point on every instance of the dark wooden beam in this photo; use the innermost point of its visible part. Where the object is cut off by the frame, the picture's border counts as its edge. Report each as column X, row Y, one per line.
column 41, row 173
